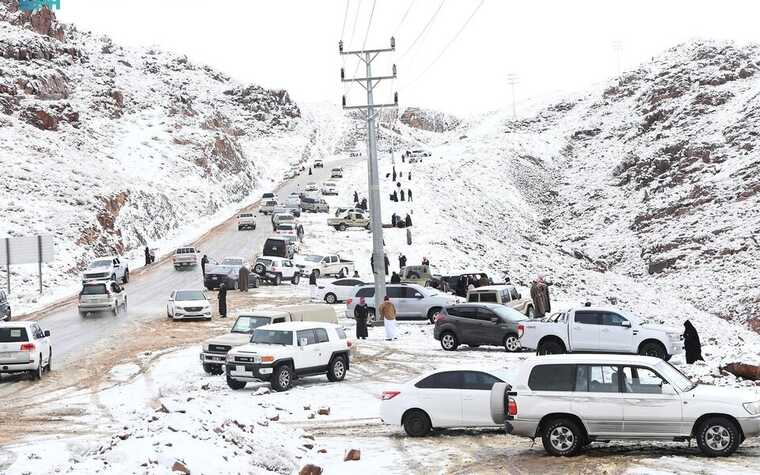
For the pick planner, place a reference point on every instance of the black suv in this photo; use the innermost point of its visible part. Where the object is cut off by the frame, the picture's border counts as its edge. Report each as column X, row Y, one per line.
column 478, row 324
column 5, row 307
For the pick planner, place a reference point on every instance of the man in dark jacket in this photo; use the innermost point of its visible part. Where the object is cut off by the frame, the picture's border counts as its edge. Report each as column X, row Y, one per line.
column 539, row 293
column 147, row 256
column 408, row 220
column 204, row 261
column 394, row 219
column 309, row 170
column 360, row 315
column 364, row 204
column 409, row 194
column 222, row 300
column 395, row 278
column 313, row 284
column 401, row 261
column 394, row 173
column 356, row 197
column 243, row 275
column 425, row 261
column 409, row 175
column 691, row 343
column 402, row 195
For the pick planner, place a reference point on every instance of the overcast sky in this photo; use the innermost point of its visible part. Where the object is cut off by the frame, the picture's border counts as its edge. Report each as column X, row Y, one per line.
column 552, row 45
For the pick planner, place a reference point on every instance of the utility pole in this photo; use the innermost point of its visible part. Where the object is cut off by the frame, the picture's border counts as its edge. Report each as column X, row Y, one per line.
column 617, row 46
column 512, row 81
column 369, row 83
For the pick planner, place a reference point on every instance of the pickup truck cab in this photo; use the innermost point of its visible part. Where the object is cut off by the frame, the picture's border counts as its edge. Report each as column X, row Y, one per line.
column 330, row 264
column 25, row 348
column 185, row 257
column 570, row 401
column 106, row 268
column 246, row 221
column 336, row 173
column 103, row 296
column 349, row 220
column 268, row 206
column 504, row 295
column 281, row 352
column 329, row 188
column 600, row 330
column 416, row 274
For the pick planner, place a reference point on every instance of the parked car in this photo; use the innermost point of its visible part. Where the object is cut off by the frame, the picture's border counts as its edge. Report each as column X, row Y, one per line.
column 269, row 196
column 314, row 205
column 602, row 330
column 504, row 295
column 215, row 350
column 25, row 348
column 246, row 221
column 336, row 173
column 268, row 207
column 342, row 210
column 5, row 307
column 338, row 290
column 411, row 301
column 311, row 187
column 188, row 304
column 570, row 401
column 285, row 209
column 329, row 188
column 107, row 268
column 417, row 274
column 227, row 271
column 276, row 269
column 478, row 324
column 324, row 265
column 417, row 156
column 349, row 220
column 281, row 352
column 279, row 246
column 457, row 397
column 319, row 164
column 282, row 218
column 286, row 229
column 185, row 257
column 102, row 296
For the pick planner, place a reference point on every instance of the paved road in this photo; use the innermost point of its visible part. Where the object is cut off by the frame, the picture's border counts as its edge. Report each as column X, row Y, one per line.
column 148, row 291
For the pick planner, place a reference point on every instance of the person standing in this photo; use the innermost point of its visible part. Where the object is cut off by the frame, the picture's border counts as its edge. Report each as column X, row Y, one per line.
column 356, row 197
column 313, row 285
column 401, row 261
column 222, row 300
column 395, row 278
column 360, row 315
column 394, row 173
column 204, row 261
column 147, row 256
column 402, row 195
column 408, row 221
column 691, row 343
column 387, row 263
column 425, row 261
column 243, row 275
column 539, row 293
column 409, row 175
column 409, row 194
column 309, row 171
column 388, row 313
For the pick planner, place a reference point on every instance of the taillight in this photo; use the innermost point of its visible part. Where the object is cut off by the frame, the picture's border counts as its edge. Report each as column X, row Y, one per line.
column 349, row 344
column 27, row 347
column 389, row 395
column 520, row 330
column 348, row 301
column 439, row 316
column 511, row 407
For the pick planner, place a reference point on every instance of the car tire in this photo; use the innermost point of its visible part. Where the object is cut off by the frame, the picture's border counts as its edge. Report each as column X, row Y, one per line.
column 341, row 227
column 37, row 373
column 511, row 343
column 259, row 268
column 296, row 279
column 718, row 436
column 234, row 384
column 431, row 314
column 652, row 348
column 125, row 280
column 550, row 347
column 562, row 437
column 214, row 369
column 282, row 378
column 416, row 423
column 337, row 370
column 449, row 341
column 277, row 279
column 331, row 298
column 49, row 366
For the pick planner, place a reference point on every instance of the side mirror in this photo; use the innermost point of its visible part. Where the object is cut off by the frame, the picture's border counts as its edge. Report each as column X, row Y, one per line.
column 626, row 324
column 668, row 389
column 47, row 332
column 494, row 320
column 519, row 295
column 303, row 342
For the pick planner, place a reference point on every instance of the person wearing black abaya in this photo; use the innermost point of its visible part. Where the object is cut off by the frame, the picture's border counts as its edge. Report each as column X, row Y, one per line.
column 309, row 170
column 147, row 256
column 356, row 197
column 691, row 343
column 402, row 195
column 360, row 315
column 222, row 300
column 408, row 221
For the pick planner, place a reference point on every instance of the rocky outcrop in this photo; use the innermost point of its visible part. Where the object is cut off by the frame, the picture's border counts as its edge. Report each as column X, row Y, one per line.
column 429, row 120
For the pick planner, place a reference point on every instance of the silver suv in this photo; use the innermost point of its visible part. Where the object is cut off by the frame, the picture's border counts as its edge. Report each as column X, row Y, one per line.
column 411, row 301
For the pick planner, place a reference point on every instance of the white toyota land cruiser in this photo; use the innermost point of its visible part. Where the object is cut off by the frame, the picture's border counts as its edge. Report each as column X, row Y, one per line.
column 281, row 352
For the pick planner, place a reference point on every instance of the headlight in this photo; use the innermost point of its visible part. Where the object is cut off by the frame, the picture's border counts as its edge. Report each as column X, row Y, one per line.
column 752, row 407
column 675, row 336
column 230, row 357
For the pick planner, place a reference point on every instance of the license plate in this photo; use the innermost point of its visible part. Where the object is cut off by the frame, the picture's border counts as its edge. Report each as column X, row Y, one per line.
column 6, row 355
column 240, row 369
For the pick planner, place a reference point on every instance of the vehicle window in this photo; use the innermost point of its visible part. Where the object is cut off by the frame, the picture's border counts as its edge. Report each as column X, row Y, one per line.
column 333, row 258
column 272, row 337
column 453, row 311
column 287, row 264
column 552, row 377
column 514, row 294
column 642, row 380
column 409, row 293
column 321, row 335
column 38, row 333
column 505, row 296
column 13, row 335
column 468, row 312
column 478, row 380
column 395, row 292
column 613, row 319
column 100, row 263
column 278, row 320
column 473, row 297
column 366, row 292
column 189, row 295
column 488, row 297
column 486, row 315
column 311, row 337
column 598, row 379
column 588, row 318
column 509, row 314
column 266, row 262
column 341, row 333
column 247, row 323
column 443, row 380
column 98, row 289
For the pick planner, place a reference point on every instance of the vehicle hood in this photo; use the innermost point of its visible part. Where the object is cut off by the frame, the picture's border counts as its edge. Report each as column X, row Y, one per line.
column 662, row 328
column 99, row 270
column 706, row 392
column 277, row 351
column 232, row 339
column 191, row 303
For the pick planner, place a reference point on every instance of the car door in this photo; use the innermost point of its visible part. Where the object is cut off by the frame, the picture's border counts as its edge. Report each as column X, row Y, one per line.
column 323, row 347
column 287, row 269
column 440, row 396
column 42, row 342
column 476, row 398
column 397, row 296
column 344, row 288
column 489, row 332
column 467, row 323
column 307, row 356
column 597, row 398
column 615, row 333
column 647, row 411
column 584, row 330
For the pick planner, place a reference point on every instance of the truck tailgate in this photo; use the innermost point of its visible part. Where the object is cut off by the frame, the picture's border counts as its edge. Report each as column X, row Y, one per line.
column 535, row 330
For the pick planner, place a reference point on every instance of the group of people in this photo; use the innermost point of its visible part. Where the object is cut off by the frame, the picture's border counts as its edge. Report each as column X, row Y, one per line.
column 387, row 313
column 361, row 204
column 150, row 257
column 397, row 222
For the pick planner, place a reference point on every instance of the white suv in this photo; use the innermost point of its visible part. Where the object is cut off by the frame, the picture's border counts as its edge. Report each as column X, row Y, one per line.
column 276, row 269
column 410, row 300
column 572, row 400
column 281, row 352
column 25, row 347
column 102, row 296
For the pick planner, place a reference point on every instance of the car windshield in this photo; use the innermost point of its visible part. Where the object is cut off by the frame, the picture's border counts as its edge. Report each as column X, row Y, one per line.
column 97, row 289
column 509, row 313
column 12, row 334
column 248, row 323
column 184, row 295
column 286, row 227
column 674, row 376
column 272, row 337
column 232, row 261
column 285, row 217
column 270, row 203
column 100, row 263
column 313, row 258
column 186, row 250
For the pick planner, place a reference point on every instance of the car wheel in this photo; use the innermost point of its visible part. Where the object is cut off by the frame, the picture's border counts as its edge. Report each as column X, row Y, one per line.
column 449, row 341
column 277, row 279
column 259, row 268
column 431, row 314
column 282, row 379
column 126, row 277
column 562, row 437
column 296, row 279
column 718, row 437
column 49, row 366
column 511, row 343
column 37, row 374
column 550, row 347
column 341, row 227
column 654, row 349
column 416, row 423
column 235, row 384
column 212, row 369
column 337, row 369
column 330, row 298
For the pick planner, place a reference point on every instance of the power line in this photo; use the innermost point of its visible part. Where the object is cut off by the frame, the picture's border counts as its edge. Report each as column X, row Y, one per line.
column 411, row 4
column 345, row 16
column 422, row 33
column 356, row 20
column 369, row 24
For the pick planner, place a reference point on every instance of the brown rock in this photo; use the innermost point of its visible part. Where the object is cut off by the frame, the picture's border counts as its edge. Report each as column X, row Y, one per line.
column 118, row 97
column 310, row 469
column 324, row 411
column 274, row 418
column 180, row 467
column 742, row 370
column 322, row 451
column 42, row 120
column 353, row 455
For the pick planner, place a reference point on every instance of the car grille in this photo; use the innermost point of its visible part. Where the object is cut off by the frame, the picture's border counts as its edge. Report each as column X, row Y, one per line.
column 193, row 309
column 219, row 348
column 102, row 275
column 244, row 359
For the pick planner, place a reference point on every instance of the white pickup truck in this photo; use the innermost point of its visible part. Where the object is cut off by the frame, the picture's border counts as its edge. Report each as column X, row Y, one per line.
column 185, row 257
column 599, row 330
column 330, row 264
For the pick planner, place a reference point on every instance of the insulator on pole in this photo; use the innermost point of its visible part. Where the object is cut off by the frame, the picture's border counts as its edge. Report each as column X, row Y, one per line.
column 340, row 46
column 393, row 42
column 344, row 101
column 394, row 70
column 342, row 73
column 395, row 98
